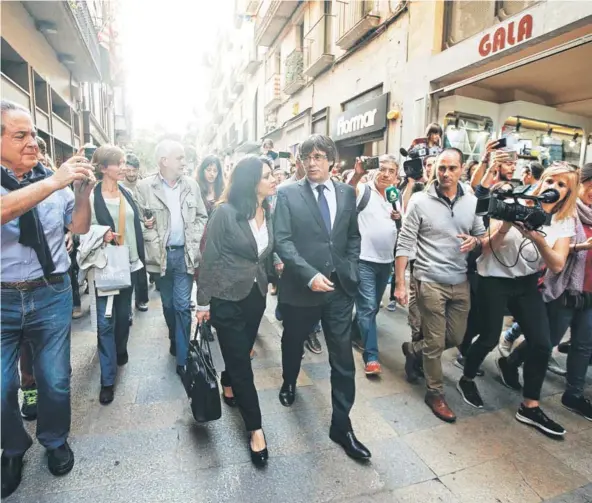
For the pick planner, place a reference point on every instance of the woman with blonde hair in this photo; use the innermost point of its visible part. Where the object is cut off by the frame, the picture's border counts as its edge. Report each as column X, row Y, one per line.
column 508, row 272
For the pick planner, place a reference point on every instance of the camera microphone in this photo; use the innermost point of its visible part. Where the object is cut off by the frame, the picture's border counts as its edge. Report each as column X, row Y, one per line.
column 549, row 196
column 403, row 152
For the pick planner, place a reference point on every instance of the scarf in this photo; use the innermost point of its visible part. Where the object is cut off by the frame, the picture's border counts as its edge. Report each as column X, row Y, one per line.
column 33, row 235
column 571, row 278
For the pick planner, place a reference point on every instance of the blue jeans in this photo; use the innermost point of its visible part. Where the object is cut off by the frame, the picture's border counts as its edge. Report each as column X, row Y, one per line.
column 175, row 293
column 41, row 318
column 580, row 321
column 113, row 333
column 373, row 280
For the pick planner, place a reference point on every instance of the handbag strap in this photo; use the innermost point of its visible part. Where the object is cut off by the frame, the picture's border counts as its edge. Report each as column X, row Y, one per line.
column 121, row 230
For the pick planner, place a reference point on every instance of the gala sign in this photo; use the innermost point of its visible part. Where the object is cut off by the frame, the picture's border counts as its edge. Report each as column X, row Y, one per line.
column 506, row 36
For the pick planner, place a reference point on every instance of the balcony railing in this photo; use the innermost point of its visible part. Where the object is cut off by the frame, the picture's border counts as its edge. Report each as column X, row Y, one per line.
column 61, row 130
column 273, row 93
column 86, row 27
column 355, row 19
column 272, row 17
column 252, row 60
column 317, row 54
column 14, row 92
column 42, row 120
column 293, row 74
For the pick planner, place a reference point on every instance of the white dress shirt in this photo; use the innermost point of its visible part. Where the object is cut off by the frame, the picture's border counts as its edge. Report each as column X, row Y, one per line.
column 260, row 234
column 329, row 195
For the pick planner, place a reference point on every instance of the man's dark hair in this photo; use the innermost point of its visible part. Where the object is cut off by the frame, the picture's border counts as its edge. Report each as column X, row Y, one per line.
column 10, row 106
column 457, row 151
column 536, row 169
column 322, row 144
column 132, row 160
column 42, row 145
column 241, row 191
column 201, row 177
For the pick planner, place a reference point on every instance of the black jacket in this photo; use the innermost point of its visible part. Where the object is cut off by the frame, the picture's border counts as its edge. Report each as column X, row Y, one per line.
column 230, row 261
column 306, row 248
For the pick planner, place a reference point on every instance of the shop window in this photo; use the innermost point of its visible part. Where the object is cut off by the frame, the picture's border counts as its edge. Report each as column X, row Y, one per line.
column 14, row 66
column 508, row 8
column 467, row 18
column 468, row 133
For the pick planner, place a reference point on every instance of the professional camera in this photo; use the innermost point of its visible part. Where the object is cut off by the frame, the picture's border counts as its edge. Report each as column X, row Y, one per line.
column 533, row 217
column 418, row 151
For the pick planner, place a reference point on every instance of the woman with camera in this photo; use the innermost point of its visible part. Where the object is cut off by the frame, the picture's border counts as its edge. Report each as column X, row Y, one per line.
column 508, row 272
column 113, row 207
column 233, row 285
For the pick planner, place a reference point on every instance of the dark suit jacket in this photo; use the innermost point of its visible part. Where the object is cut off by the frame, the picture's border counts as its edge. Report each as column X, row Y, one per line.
column 230, row 260
column 306, row 248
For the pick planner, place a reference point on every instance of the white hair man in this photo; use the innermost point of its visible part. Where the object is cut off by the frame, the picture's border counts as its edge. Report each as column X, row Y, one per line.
column 174, row 218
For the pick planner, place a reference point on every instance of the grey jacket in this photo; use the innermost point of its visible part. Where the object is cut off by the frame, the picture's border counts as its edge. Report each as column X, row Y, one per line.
column 231, row 263
column 431, row 227
column 150, row 196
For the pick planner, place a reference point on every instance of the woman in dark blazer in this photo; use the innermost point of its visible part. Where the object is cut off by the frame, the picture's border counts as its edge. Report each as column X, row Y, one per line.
column 233, row 285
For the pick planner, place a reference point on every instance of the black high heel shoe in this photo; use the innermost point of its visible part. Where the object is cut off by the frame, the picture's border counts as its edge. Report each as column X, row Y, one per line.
column 228, row 400
column 225, row 383
column 258, row 458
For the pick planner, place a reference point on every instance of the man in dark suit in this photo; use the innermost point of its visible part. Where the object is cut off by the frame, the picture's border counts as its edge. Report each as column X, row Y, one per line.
column 317, row 239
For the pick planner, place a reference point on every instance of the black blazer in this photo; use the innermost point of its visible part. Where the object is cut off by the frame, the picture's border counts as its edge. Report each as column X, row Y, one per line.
column 230, row 262
column 306, row 248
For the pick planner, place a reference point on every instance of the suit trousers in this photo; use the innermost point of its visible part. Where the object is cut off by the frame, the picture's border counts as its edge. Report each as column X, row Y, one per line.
column 237, row 324
column 336, row 319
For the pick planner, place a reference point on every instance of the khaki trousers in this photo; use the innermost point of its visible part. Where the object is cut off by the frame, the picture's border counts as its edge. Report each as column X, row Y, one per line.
column 444, row 310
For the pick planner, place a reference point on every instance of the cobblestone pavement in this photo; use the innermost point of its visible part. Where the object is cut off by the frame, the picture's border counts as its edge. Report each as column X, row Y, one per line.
column 146, row 448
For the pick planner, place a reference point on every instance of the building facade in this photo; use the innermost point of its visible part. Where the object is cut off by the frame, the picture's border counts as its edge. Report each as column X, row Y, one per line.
column 56, row 62
column 373, row 74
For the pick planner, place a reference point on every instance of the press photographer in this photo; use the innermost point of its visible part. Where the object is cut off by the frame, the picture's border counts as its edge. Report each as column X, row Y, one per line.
column 508, row 272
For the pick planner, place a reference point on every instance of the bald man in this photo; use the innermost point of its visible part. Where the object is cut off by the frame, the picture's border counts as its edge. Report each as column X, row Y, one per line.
column 174, row 222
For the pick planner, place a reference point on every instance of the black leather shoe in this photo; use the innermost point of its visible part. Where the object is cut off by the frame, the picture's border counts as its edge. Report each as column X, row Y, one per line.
column 61, row 460
column 351, row 445
column 180, row 371
column 142, row 306
column 106, row 395
column 287, row 394
column 259, row 458
column 122, row 359
column 173, row 348
column 12, row 471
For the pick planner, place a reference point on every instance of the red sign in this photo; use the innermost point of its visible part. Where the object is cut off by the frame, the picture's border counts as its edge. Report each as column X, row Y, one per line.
column 506, row 36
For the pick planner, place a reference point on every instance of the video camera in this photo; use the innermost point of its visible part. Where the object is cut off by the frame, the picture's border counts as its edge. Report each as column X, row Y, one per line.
column 533, row 217
column 418, row 151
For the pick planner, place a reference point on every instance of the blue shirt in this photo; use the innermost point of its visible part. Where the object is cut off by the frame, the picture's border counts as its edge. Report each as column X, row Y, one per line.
column 173, row 203
column 20, row 263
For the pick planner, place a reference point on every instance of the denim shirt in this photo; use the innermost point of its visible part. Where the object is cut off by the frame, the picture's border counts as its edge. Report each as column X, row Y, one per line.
column 19, row 263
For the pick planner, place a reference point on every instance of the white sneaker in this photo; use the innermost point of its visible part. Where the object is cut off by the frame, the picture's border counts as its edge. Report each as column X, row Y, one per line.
column 505, row 347
column 392, row 306
column 556, row 368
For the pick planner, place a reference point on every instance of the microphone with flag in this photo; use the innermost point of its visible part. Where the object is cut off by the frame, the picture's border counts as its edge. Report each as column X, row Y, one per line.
column 392, row 196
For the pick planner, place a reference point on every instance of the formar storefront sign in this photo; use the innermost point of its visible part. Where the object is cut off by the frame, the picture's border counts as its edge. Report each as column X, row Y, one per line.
column 368, row 117
column 506, row 36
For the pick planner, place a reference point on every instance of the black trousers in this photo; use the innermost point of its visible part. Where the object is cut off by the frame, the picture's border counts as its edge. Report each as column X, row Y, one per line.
column 140, row 286
column 73, row 272
column 525, row 303
column 336, row 319
column 473, row 322
column 237, row 324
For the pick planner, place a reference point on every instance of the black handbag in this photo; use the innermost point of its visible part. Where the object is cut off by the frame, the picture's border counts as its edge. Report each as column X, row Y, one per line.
column 200, row 378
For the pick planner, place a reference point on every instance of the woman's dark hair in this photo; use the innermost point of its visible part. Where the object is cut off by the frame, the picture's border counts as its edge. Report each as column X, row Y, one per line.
column 322, row 144
column 241, row 190
column 433, row 128
column 536, row 170
column 201, row 177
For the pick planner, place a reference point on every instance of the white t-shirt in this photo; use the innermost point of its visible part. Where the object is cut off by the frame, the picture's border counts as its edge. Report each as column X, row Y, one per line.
column 377, row 228
column 530, row 259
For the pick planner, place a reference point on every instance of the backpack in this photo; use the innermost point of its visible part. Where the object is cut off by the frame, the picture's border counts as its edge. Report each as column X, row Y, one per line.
column 365, row 199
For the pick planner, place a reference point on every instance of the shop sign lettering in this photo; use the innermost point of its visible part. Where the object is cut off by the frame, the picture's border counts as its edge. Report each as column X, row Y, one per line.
column 356, row 123
column 506, row 36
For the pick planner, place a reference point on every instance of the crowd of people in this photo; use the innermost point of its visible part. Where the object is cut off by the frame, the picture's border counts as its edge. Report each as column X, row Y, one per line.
column 327, row 242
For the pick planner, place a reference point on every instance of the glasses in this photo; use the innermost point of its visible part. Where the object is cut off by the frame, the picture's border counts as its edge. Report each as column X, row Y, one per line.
column 316, row 158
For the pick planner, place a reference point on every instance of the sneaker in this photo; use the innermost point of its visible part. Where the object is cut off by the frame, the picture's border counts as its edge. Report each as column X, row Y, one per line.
column 411, row 363
column 505, row 346
column 470, row 393
column 392, row 306
column 313, row 344
column 372, row 369
column 508, row 374
column 459, row 362
column 381, row 305
column 555, row 367
column 77, row 313
column 534, row 416
column 29, row 407
column 578, row 404
column 142, row 306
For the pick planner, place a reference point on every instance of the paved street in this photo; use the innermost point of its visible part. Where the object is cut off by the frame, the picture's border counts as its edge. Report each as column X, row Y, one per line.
column 146, row 448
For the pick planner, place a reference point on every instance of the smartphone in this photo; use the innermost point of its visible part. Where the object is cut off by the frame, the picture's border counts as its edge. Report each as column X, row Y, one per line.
column 89, row 151
column 284, row 155
column 370, row 163
column 501, row 143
